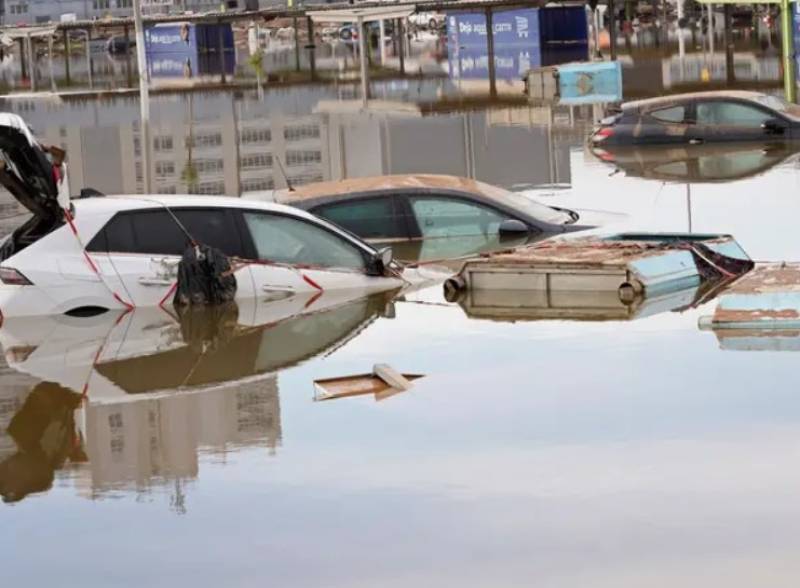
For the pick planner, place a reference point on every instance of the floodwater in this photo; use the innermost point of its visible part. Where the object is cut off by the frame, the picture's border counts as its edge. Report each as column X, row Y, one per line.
column 149, row 449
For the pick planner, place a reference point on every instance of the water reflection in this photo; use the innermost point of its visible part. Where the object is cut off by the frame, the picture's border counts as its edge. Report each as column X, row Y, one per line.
column 516, row 305
column 228, row 143
column 46, row 438
column 721, row 162
column 138, row 396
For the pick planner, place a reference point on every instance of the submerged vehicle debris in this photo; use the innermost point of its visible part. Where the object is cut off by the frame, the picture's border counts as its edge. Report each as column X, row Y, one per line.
column 382, row 383
column 761, row 310
column 628, row 265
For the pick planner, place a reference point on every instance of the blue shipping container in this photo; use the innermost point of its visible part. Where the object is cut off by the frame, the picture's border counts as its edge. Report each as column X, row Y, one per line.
column 524, row 38
column 187, row 50
column 516, row 44
column 796, row 38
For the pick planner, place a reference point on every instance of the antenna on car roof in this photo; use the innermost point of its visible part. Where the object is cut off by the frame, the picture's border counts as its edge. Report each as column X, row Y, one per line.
column 283, row 173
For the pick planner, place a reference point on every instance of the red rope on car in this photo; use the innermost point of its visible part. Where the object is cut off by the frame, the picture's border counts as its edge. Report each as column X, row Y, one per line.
column 71, row 222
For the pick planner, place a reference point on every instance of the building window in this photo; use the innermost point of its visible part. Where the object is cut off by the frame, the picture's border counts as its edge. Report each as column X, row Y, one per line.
column 301, row 132
column 207, row 140
column 249, row 136
column 209, row 188
column 165, row 168
column 117, row 446
column 163, row 143
column 208, row 165
column 256, row 184
column 167, row 190
column 124, row 3
column 115, row 420
column 305, row 157
column 101, row 4
column 300, row 179
column 256, row 161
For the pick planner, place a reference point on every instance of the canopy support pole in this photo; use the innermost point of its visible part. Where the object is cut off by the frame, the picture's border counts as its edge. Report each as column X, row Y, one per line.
column 65, row 33
column 789, row 83
column 362, row 55
column 144, row 95
column 490, row 52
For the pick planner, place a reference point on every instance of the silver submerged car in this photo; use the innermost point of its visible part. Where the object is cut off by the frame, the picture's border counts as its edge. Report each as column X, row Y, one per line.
column 701, row 117
column 446, row 216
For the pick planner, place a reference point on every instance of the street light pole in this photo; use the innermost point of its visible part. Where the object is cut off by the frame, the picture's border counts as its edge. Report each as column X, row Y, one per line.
column 144, row 95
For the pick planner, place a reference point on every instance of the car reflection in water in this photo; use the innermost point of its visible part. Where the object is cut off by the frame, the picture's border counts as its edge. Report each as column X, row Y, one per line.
column 159, row 387
column 694, row 164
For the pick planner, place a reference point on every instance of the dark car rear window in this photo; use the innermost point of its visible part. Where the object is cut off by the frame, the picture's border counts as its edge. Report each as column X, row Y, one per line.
column 156, row 232
column 370, row 218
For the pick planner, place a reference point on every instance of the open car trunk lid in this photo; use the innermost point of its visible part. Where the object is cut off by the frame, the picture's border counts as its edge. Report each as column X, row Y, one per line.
column 28, row 171
column 37, row 177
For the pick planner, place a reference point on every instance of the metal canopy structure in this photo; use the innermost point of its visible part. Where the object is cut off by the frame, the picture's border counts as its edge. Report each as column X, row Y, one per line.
column 370, row 14
column 361, row 16
column 24, row 32
column 787, row 41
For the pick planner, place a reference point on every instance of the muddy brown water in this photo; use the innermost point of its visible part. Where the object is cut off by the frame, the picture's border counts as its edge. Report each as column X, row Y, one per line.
column 550, row 452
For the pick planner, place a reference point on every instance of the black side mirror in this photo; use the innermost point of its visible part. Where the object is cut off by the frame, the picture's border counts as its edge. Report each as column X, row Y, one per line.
column 512, row 226
column 379, row 261
column 774, row 126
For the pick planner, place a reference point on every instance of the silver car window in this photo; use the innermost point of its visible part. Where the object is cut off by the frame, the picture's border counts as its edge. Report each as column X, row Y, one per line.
column 731, row 114
column 673, row 114
column 451, row 217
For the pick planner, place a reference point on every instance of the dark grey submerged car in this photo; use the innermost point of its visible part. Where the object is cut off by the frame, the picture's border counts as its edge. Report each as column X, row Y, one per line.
column 428, row 216
column 702, row 117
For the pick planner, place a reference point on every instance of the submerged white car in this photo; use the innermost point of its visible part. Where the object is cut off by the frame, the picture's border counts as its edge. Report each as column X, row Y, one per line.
column 88, row 255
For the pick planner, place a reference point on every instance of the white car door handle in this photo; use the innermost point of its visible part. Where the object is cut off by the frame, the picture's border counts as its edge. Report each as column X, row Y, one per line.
column 155, row 282
column 275, row 293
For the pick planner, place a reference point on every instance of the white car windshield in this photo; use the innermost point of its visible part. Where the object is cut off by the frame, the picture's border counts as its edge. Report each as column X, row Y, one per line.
column 528, row 205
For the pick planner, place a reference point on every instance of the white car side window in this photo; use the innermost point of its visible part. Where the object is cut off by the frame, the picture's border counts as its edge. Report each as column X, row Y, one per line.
column 283, row 239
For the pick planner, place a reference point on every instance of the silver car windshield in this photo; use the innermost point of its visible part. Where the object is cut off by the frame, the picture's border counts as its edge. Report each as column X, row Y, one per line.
column 527, row 205
column 778, row 104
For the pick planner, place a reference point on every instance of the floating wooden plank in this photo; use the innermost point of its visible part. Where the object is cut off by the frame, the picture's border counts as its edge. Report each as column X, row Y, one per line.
column 382, row 383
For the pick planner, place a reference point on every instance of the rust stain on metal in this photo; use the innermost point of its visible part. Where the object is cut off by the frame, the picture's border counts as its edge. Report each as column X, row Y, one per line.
column 578, row 251
column 766, row 278
column 755, row 333
column 743, row 316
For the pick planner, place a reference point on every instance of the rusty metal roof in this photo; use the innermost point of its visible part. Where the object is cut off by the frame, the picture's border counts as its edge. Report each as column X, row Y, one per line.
column 586, row 251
